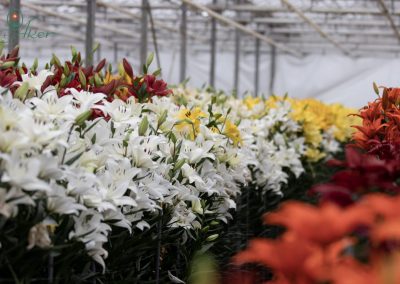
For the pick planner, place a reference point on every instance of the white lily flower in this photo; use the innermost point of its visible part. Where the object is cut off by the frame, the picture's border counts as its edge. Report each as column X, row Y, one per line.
column 84, row 100
column 39, row 234
column 23, row 173
column 189, row 173
column 51, row 105
column 10, row 199
column 36, row 82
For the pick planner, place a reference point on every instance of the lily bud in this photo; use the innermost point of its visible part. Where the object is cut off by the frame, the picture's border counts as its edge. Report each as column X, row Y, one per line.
column 162, row 119
column 127, row 67
column 212, row 238
column 82, row 78
column 22, row 91
column 7, row 64
column 100, row 66
column 144, row 125
column 179, row 164
column 66, row 69
column 55, row 60
column 83, row 117
column 97, row 80
column 376, row 89
column 35, row 65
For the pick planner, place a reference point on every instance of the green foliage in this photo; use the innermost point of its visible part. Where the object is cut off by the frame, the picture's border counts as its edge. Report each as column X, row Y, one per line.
column 252, row 204
column 134, row 258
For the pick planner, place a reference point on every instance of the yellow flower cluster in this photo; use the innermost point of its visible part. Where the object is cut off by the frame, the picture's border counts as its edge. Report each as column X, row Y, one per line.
column 232, row 132
column 317, row 118
column 320, row 123
column 189, row 121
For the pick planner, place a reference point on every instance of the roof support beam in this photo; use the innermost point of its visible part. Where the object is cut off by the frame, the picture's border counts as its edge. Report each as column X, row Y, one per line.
column 143, row 33
column 385, row 11
column 242, row 28
column 257, row 67
column 14, row 22
column 277, row 9
column 160, row 25
column 237, row 58
column 315, row 26
column 183, row 43
column 272, row 70
column 89, row 40
column 76, row 20
column 213, row 49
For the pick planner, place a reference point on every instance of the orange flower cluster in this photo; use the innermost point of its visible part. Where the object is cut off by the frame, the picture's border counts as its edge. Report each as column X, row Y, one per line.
column 331, row 244
column 380, row 130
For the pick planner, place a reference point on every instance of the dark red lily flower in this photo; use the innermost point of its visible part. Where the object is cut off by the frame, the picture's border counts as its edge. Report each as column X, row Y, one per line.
column 333, row 193
column 363, row 173
column 385, row 150
column 7, row 79
column 238, row 275
column 156, row 87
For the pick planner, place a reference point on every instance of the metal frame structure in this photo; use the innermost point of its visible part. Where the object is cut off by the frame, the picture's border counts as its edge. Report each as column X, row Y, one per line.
column 354, row 28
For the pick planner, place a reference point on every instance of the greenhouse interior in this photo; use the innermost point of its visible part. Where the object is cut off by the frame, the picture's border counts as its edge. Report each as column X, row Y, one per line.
column 200, row 141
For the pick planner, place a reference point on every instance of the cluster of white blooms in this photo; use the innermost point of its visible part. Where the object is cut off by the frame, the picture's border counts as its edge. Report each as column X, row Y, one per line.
column 174, row 152
column 110, row 172
column 270, row 139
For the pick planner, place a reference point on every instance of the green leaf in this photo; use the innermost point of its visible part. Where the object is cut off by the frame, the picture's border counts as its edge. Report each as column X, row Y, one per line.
column 179, row 164
column 1, row 46
column 217, row 116
column 73, row 159
column 93, row 140
column 172, row 137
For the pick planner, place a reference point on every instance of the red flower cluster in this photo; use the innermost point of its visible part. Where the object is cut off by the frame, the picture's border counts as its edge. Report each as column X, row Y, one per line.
column 380, row 130
column 363, row 173
column 7, row 68
column 71, row 74
column 143, row 88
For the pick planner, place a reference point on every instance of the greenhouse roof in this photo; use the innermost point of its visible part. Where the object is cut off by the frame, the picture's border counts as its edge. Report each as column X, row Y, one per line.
column 298, row 27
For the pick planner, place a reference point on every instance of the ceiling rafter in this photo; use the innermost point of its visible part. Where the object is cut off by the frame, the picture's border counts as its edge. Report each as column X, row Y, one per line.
column 156, row 23
column 316, row 27
column 76, row 20
column 242, row 28
column 387, row 14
